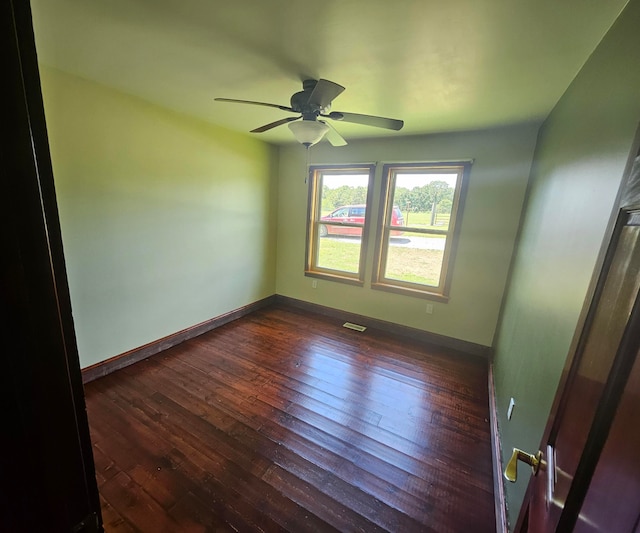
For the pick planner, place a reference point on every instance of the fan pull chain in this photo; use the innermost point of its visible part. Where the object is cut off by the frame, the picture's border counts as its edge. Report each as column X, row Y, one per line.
column 306, row 166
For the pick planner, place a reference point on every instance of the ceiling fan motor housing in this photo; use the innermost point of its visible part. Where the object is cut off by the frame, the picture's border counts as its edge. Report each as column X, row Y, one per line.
column 300, row 102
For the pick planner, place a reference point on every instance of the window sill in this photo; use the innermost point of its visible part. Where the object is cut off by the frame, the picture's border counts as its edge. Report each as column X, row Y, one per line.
column 334, row 277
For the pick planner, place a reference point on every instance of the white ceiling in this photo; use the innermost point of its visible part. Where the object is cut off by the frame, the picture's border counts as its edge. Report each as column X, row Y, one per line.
column 439, row 65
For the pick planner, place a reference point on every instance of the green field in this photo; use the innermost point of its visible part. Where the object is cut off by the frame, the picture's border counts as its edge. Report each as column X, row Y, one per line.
column 423, row 220
column 406, row 264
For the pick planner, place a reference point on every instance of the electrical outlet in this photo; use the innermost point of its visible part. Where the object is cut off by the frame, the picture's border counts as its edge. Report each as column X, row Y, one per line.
column 314, row 284
column 429, row 309
column 512, row 404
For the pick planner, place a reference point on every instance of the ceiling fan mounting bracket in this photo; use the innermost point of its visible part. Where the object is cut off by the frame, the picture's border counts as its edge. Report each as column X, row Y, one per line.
column 309, row 85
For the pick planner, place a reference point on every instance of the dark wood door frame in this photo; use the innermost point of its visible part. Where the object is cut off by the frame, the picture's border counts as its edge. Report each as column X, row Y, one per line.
column 46, row 466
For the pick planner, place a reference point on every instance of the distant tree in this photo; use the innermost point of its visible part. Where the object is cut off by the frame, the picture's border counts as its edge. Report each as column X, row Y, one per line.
column 344, row 195
column 421, row 198
column 359, row 195
column 445, row 205
column 433, row 197
column 439, row 192
column 402, row 199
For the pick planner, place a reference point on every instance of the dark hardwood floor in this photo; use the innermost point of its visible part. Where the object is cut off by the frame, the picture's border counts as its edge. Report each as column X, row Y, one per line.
column 285, row 421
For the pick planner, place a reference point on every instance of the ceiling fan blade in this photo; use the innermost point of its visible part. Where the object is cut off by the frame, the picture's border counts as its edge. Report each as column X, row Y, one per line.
column 233, row 101
column 275, row 124
column 324, row 92
column 367, row 120
column 333, row 136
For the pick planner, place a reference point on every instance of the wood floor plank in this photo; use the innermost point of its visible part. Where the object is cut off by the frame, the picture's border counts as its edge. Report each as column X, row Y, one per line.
column 289, row 414
column 195, row 516
column 223, row 457
column 318, row 429
column 321, row 482
column 139, row 508
column 112, row 520
column 285, row 421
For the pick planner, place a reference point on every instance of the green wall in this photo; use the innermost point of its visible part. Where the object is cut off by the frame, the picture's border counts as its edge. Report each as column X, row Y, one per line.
column 497, row 186
column 580, row 158
column 166, row 221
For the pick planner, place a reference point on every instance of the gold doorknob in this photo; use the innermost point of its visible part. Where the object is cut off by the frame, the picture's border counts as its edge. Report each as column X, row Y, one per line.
column 511, row 472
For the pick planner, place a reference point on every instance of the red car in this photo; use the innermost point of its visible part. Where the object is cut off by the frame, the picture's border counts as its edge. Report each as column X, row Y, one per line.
column 353, row 214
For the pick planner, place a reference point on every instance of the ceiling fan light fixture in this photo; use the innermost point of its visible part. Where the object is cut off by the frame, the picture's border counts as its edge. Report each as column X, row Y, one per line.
column 308, row 132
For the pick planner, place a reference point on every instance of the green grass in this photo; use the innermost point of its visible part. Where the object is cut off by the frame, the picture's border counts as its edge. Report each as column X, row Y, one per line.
column 423, row 220
column 414, row 265
column 340, row 254
column 405, row 264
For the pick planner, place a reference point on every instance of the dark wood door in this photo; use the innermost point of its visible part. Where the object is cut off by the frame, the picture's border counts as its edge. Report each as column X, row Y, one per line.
column 612, row 502
column 575, row 471
column 46, row 465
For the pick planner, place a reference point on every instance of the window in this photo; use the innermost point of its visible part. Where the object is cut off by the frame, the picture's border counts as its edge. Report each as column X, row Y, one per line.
column 338, row 223
column 426, row 199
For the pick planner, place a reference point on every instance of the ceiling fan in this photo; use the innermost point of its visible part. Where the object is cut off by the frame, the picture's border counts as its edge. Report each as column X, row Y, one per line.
column 314, row 103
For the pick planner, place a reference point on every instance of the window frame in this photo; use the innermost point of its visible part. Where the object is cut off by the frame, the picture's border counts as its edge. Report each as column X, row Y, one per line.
column 383, row 226
column 316, row 172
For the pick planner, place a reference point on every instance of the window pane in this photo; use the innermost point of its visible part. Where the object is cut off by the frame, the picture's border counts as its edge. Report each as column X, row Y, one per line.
column 415, row 258
column 340, row 190
column 421, row 205
column 337, row 221
column 425, row 199
column 339, row 253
